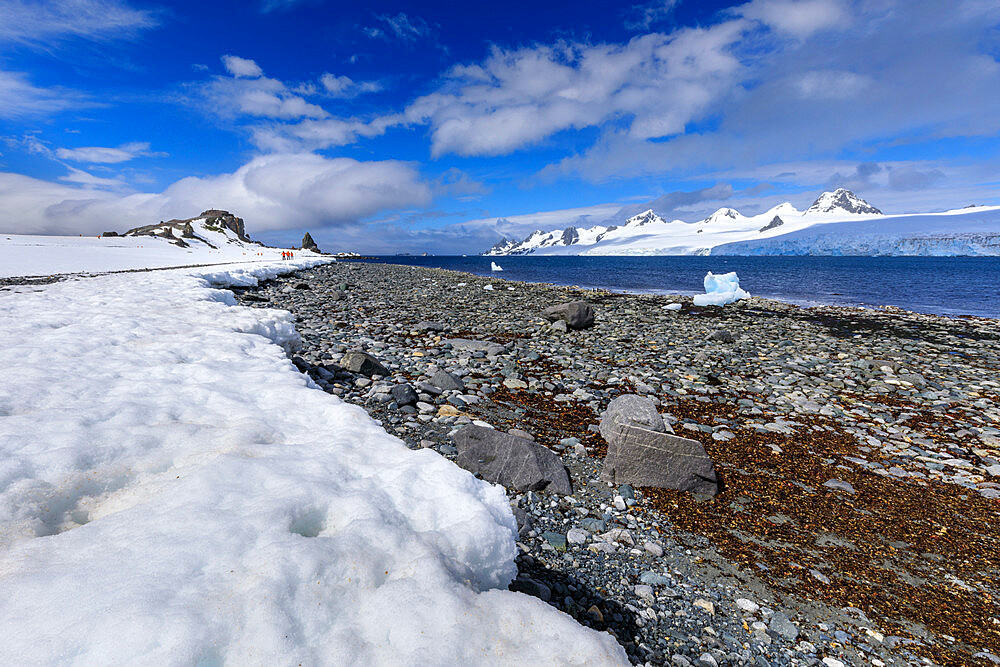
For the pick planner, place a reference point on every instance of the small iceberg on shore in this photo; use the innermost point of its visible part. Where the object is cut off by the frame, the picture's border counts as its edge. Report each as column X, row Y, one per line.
column 495, row 267
column 720, row 290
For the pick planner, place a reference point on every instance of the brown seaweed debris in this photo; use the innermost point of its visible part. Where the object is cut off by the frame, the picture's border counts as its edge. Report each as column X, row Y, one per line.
column 923, row 557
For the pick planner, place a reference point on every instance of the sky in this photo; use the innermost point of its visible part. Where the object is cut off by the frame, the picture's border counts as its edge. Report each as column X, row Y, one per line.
column 386, row 127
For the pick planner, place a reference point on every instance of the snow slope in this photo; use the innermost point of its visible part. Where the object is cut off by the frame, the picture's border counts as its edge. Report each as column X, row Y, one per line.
column 44, row 255
column 649, row 234
column 974, row 231
column 173, row 491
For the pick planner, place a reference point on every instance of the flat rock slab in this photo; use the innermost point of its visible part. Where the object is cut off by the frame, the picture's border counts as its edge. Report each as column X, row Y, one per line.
column 576, row 314
column 362, row 363
column 514, row 462
column 642, row 457
column 490, row 348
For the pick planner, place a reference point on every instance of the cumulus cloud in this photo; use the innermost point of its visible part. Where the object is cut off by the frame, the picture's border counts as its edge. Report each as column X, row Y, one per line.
column 271, row 192
column 241, row 67
column 656, row 83
column 911, row 178
column 42, row 21
column 106, row 155
column 248, row 92
column 282, row 120
column 859, row 180
column 799, row 18
column 915, row 70
column 345, row 87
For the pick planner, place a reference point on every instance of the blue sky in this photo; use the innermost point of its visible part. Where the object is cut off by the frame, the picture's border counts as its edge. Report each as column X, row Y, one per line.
column 390, row 127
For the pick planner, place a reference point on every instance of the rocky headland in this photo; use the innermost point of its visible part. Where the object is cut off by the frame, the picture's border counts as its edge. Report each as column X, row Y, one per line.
column 856, row 512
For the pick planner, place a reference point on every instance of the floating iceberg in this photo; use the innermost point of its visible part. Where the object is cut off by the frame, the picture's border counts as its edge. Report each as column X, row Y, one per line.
column 495, row 267
column 720, row 290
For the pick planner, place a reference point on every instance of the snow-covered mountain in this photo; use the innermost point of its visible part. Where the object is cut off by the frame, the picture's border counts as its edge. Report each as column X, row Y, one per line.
column 842, row 216
column 973, row 231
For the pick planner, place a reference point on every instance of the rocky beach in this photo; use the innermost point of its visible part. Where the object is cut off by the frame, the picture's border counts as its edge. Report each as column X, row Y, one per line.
column 857, row 451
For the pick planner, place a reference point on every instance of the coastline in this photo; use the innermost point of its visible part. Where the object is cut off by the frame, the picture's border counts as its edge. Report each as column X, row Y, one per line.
column 897, row 406
column 950, row 286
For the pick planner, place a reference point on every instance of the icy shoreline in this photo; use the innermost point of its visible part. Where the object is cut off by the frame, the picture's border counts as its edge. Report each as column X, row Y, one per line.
column 173, row 490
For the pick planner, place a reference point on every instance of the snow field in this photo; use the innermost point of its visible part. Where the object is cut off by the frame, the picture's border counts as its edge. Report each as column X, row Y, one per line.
column 22, row 255
column 173, row 491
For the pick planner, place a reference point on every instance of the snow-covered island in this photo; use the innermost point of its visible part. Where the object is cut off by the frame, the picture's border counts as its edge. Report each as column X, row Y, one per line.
column 837, row 223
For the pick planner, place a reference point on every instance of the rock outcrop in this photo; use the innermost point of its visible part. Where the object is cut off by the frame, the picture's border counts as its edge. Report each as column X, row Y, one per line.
column 309, row 244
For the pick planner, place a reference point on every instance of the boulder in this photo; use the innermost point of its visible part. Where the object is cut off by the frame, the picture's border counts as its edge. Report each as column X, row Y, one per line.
column 445, row 381
column 362, row 363
column 403, row 394
column 642, row 457
column 576, row 314
column 516, row 463
column 429, row 326
column 109, row 234
column 632, row 410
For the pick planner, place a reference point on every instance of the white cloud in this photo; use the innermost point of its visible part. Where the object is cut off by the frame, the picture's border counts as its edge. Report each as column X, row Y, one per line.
column 85, row 178
column 914, row 73
column 403, row 27
column 41, row 21
column 241, row 67
column 19, row 98
column 345, row 87
column 651, row 13
column 270, row 192
column 657, row 83
column 799, row 18
column 106, row 155
column 831, row 84
column 248, row 92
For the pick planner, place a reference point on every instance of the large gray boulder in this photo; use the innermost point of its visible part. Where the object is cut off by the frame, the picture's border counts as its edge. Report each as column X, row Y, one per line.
column 642, row 457
column 576, row 314
column 362, row 363
column 631, row 410
column 514, row 462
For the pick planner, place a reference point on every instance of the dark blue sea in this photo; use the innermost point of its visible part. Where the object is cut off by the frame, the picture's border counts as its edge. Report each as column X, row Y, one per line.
column 940, row 285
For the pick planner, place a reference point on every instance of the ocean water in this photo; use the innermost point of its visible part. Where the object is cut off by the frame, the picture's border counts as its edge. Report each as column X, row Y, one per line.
column 941, row 285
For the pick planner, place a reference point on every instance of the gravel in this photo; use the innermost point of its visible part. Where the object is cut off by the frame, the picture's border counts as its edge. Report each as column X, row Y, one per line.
column 915, row 398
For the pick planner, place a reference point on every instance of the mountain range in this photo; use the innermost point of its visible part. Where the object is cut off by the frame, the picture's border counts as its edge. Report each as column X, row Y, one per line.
column 837, row 223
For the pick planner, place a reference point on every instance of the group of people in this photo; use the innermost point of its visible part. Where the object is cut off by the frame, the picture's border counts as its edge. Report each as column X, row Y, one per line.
column 287, row 254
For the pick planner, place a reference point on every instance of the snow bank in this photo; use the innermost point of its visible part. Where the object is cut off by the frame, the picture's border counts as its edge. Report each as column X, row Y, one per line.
column 173, row 491
column 22, row 255
column 720, row 290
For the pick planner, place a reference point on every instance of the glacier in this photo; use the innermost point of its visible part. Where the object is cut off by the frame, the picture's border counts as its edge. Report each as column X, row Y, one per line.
column 965, row 232
column 837, row 223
